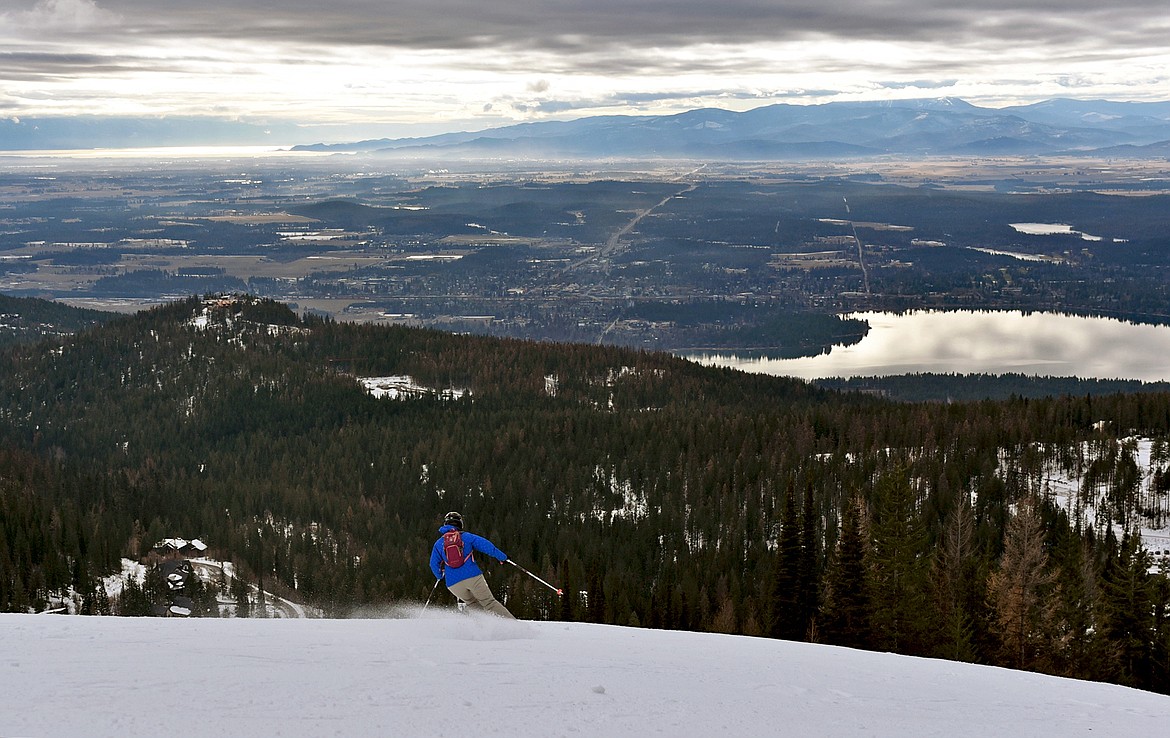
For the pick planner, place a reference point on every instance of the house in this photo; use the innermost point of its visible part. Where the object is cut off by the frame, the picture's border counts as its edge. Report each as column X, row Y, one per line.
column 176, row 547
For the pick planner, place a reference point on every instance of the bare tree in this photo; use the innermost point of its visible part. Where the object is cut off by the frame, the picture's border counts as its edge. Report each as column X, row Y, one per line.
column 1020, row 591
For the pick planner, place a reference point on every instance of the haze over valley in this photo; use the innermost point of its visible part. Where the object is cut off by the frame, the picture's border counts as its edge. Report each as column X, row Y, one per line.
column 691, row 256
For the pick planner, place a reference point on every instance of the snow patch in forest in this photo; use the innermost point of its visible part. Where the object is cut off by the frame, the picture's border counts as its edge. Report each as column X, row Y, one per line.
column 207, row 317
column 635, row 505
column 131, row 570
column 1125, row 494
column 403, row 387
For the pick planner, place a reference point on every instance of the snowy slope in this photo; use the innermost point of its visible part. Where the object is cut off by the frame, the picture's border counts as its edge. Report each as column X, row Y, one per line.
column 1150, row 519
column 456, row 675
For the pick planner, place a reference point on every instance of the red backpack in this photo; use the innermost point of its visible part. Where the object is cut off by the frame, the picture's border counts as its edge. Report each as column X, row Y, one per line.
column 453, row 555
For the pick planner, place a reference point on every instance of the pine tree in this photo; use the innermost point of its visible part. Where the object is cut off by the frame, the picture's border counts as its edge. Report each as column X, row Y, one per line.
column 1081, row 648
column 101, row 599
column 240, row 595
column 566, row 605
column 898, row 566
column 1129, row 595
column 847, row 609
column 1160, row 651
column 787, row 618
column 133, row 601
column 597, row 604
column 809, row 569
column 952, row 577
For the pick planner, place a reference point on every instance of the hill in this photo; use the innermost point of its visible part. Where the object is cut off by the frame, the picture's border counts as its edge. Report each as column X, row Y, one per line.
column 115, row 677
column 24, row 319
column 319, row 458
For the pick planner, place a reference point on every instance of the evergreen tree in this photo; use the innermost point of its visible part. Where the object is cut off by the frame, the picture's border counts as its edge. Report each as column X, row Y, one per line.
column 133, row 601
column 1129, row 596
column 809, row 571
column 566, row 603
column 952, row 578
column 787, row 618
column 241, row 597
column 102, row 605
column 596, row 608
column 1081, row 649
column 1160, row 649
column 898, row 566
column 847, row 613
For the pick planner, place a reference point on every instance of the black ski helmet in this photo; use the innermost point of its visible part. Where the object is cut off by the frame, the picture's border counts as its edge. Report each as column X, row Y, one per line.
column 453, row 518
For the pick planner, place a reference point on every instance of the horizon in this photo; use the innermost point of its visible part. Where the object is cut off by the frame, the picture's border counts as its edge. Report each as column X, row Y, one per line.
column 246, row 147
column 411, row 69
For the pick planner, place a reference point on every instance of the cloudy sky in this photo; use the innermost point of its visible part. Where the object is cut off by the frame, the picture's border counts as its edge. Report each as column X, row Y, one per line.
column 414, row 67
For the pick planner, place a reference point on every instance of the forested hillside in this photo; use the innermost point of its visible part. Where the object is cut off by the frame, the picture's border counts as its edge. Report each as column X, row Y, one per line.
column 30, row 319
column 655, row 491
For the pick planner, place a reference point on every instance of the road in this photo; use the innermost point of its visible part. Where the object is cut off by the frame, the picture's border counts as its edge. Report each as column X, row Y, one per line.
column 860, row 253
column 277, row 607
column 613, row 243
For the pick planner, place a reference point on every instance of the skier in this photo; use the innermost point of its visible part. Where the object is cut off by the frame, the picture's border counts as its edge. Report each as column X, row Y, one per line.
column 463, row 577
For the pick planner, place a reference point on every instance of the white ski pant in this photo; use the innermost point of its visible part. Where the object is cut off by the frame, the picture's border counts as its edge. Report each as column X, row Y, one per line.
column 476, row 591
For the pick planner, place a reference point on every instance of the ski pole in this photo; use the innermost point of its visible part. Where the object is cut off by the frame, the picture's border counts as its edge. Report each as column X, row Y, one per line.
column 432, row 594
column 521, row 568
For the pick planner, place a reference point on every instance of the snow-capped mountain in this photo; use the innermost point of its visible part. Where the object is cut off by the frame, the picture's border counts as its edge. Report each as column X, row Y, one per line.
column 944, row 126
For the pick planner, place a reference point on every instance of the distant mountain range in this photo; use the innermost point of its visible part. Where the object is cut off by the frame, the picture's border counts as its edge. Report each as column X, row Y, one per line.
column 112, row 132
column 931, row 127
column 926, row 127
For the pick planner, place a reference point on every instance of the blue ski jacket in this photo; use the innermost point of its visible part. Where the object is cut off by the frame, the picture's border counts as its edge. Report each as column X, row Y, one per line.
column 471, row 542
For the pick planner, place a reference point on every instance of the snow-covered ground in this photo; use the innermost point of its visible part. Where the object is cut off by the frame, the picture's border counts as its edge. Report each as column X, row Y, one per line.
column 404, row 388
column 456, row 675
column 1065, row 487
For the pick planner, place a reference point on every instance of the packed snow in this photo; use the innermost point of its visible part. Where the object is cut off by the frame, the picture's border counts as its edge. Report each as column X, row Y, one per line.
column 444, row 674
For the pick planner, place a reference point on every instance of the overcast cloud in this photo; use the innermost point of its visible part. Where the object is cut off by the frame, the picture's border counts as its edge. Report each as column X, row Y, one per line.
column 447, row 64
column 569, row 24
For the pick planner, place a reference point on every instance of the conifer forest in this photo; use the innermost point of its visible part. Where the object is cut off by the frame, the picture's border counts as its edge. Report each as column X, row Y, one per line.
column 656, row 492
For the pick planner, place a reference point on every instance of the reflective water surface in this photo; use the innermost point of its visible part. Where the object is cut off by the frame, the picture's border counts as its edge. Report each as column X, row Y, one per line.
column 969, row 342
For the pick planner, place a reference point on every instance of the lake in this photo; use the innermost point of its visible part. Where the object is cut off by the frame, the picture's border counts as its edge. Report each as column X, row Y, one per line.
column 975, row 342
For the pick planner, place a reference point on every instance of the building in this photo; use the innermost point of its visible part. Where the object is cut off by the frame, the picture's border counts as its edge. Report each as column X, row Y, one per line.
column 180, row 547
